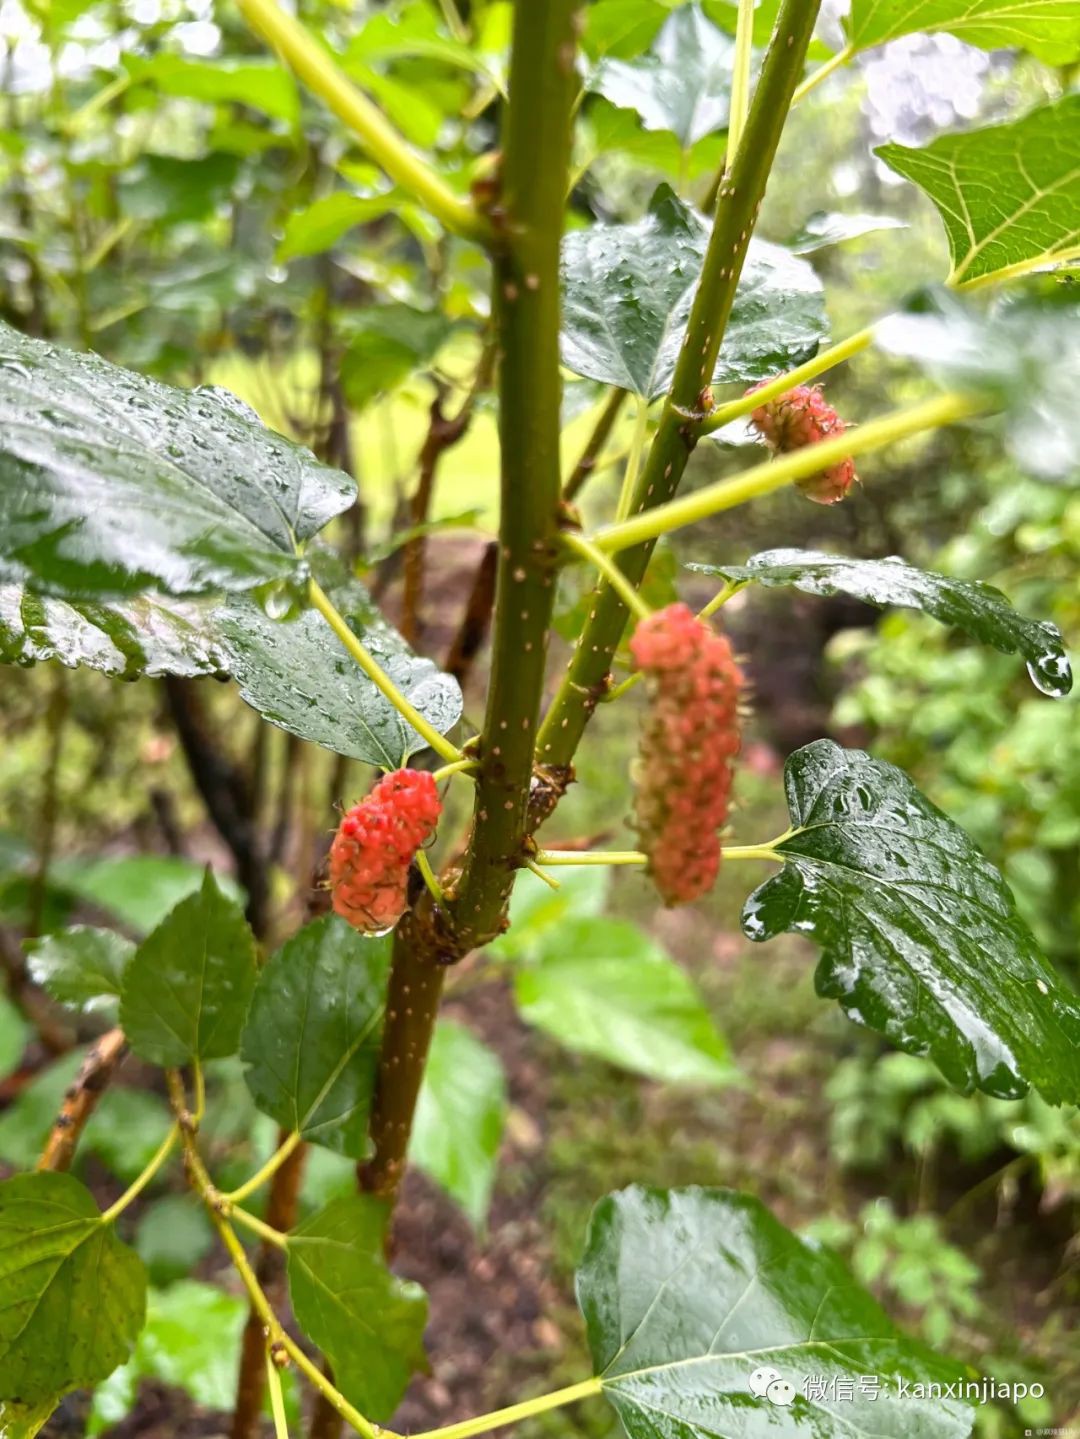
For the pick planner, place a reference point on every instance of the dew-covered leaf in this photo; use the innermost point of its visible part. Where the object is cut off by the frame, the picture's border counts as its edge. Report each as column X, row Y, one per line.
column 72, row 1296
column 919, row 933
column 311, row 1042
column 824, row 228
column 186, row 990
column 111, row 483
column 602, row 987
column 683, row 84
column 82, row 967
column 367, row 1322
column 459, row 1117
column 706, row 1318
column 978, row 609
column 1008, row 195
column 1050, row 29
column 628, row 289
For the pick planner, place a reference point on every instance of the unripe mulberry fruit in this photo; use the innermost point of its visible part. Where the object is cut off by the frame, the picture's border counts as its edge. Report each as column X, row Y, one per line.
column 804, row 417
column 374, row 847
column 689, row 742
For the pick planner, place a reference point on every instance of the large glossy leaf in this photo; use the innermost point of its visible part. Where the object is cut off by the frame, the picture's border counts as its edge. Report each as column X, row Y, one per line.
column 81, row 966
column 368, row 1323
column 707, row 1319
column 1008, row 195
column 186, row 990
column 602, row 987
column 113, row 483
column 459, row 1117
column 72, row 1297
column 296, row 672
column 1050, row 29
column 311, row 1042
column 627, row 292
column 919, row 934
column 682, row 85
column 1023, row 356
column 978, row 609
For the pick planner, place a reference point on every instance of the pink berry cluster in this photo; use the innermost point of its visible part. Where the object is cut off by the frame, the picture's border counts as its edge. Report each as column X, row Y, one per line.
column 375, row 845
column 688, row 746
column 804, row 417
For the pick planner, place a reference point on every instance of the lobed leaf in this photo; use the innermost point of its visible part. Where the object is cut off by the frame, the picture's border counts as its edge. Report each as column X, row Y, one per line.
column 978, row 609
column 1008, row 195
column 111, row 483
column 919, row 933
column 696, row 1300
column 311, row 1042
column 628, row 289
column 1050, row 29
column 72, row 1297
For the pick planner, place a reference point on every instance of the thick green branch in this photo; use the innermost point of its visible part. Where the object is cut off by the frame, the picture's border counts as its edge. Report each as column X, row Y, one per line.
column 739, row 200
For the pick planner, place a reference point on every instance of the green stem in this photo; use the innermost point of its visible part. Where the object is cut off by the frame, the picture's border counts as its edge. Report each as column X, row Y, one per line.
column 277, row 1399
column 264, row 1231
column 459, row 766
column 484, row 1423
column 166, row 1147
column 739, row 199
column 610, row 571
column 827, row 360
column 379, row 678
column 740, row 77
column 536, row 151
column 537, row 869
column 823, row 72
column 784, row 470
column 272, row 1165
column 382, row 142
column 590, row 455
column 454, row 22
column 633, row 856
column 423, row 864
column 720, row 599
column 633, row 459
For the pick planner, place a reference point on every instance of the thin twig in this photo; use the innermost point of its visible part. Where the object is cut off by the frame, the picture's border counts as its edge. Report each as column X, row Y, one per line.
column 102, row 1060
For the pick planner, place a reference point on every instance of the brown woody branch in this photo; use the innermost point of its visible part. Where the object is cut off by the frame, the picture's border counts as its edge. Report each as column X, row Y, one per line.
column 103, row 1058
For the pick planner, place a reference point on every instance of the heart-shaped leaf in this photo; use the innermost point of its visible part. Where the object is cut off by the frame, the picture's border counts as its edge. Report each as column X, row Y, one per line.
column 601, row 987
column 1008, row 195
column 367, row 1322
column 81, row 966
column 294, row 672
column 978, row 609
column 628, row 289
column 111, row 483
column 707, row 1319
column 72, row 1297
column 311, row 1042
column 186, row 990
column 682, row 85
column 919, row 933
column 1050, row 29
column 459, row 1117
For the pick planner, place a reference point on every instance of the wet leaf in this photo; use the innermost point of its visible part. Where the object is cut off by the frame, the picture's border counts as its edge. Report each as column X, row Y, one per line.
column 186, row 990
column 1008, row 195
column 295, row 673
column 602, row 987
column 111, row 483
column 81, row 966
column 696, row 1299
column 311, row 1042
column 72, row 1297
column 824, row 228
column 459, row 1117
column 627, row 292
column 682, row 85
column 367, row 1322
column 919, row 934
column 978, row 609
column 1050, row 29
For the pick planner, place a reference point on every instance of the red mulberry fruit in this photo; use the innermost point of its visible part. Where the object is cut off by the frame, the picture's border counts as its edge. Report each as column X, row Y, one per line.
column 375, row 845
column 688, row 747
column 804, row 417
